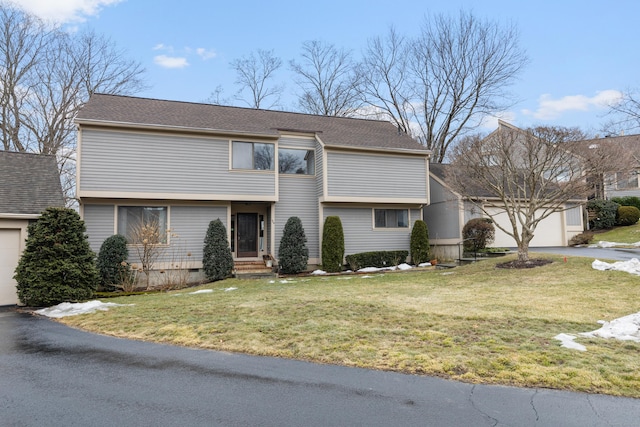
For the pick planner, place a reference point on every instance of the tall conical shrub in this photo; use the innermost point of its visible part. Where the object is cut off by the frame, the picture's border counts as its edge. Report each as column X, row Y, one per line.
column 293, row 253
column 217, row 260
column 112, row 261
column 419, row 243
column 332, row 245
column 58, row 264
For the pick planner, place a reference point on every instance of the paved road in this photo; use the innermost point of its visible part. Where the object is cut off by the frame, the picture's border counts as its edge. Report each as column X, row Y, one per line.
column 603, row 254
column 52, row 375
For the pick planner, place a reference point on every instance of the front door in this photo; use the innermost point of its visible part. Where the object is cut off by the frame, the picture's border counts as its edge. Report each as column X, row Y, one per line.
column 247, row 235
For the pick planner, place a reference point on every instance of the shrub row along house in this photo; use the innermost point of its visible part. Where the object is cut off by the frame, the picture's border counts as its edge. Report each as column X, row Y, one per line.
column 183, row 165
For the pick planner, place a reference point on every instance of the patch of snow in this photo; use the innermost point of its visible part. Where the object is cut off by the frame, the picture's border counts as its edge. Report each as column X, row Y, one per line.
column 567, row 341
column 201, row 291
column 625, row 328
column 73, row 309
column 605, row 244
column 272, row 281
column 319, row 272
column 366, row 277
column 287, row 281
column 404, row 266
column 230, row 289
column 425, row 264
column 345, row 278
column 632, row 266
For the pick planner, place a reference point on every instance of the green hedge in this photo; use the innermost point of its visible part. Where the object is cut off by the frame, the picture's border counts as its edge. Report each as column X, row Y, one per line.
column 376, row 259
column 627, row 215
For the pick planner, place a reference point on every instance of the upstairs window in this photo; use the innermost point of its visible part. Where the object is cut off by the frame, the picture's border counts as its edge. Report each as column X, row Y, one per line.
column 143, row 222
column 252, row 155
column 626, row 180
column 391, row 218
column 292, row 161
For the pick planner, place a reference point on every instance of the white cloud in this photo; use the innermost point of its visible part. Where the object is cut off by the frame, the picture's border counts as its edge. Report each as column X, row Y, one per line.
column 171, row 61
column 64, row 11
column 549, row 108
column 205, row 53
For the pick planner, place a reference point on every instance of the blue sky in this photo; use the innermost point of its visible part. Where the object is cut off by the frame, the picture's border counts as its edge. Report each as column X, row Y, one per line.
column 582, row 53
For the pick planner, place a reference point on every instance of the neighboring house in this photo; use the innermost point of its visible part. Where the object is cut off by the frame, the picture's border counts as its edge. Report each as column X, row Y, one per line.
column 30, row 184
column 616, row 165
column 449, row 211
column 186, row 164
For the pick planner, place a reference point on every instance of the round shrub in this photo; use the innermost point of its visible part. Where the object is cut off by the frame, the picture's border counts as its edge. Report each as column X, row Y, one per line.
column 627, row 215
column 627, row 201
column 293, row 252
column 217, row 260
column 57, row 264
column 112, row 261
column 419, row 243
column 332, row 245
column 478, row 233
column 602, row 213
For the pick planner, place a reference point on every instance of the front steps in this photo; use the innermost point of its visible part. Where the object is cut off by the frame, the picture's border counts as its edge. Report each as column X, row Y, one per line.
column 252, row 270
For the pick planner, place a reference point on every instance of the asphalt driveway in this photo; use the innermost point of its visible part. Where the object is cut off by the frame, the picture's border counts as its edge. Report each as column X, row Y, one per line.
column 52, row 375
column 603, row 254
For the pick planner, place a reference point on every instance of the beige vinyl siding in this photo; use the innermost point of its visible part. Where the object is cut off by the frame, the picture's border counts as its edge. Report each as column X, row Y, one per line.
column 359, row 234
column 135, row 162
column 574, row 215
column 297, row 142
column 385, row 176
column 297, row 198
column 100, row 223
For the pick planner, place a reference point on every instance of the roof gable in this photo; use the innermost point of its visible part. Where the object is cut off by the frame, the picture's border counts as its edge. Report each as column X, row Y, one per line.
column 332, row 131
column 30, row 183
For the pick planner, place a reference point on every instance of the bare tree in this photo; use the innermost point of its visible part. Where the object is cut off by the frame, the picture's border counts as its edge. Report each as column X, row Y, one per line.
column 625, row 112
column 438, row 86
column 328, row 80
column 47, row 75
column 527, row 174
column 254, row 73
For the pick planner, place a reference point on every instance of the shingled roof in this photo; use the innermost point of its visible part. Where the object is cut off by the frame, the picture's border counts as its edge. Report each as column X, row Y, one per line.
column 30, row 183
column 129, row 111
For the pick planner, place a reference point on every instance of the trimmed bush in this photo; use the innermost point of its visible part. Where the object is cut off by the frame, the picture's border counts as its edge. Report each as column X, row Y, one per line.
column 332, row 245
column 602, row 214
column 581, row 239
column 419, row 243
column 378, row 259
column 293, row 253
column 112, row 261
column 627, row 201
column 478, row 233
column 627, row 215
column 58, row 264
column 217, row 260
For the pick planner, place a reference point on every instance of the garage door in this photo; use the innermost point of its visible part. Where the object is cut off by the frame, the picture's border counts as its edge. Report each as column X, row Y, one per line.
column 549, row 232
column 9, row 255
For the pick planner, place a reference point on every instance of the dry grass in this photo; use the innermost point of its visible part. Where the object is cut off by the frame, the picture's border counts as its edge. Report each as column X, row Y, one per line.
column 629, row 234
column 474, row 323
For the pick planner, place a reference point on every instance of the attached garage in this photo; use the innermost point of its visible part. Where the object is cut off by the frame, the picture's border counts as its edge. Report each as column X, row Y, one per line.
column 549, row 232
column 30, row 184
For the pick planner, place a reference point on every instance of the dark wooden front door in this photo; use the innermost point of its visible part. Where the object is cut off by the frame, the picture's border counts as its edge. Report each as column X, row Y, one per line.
column 247, row 235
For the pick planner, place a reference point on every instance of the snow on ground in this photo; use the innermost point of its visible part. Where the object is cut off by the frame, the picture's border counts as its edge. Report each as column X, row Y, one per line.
column 632, row 266
column 73, row 309
column 201, row 291
column 605, row 244
column 567, row 341
column 625, row 328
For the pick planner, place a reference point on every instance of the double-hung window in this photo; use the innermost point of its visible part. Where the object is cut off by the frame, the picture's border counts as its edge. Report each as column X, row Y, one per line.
column 252, row 155
column 137, row 223
column 391, row 218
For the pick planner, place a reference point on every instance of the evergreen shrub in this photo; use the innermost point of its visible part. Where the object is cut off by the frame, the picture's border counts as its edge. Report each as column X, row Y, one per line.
column 627, row 215
column 58, row 264
column 217, row 260
column 419, row 243
column 378, row 259
column 627, row 201
column 602, row 213
column 112, row 261
column 478, row 233
column 332, row 245
column 293, row 253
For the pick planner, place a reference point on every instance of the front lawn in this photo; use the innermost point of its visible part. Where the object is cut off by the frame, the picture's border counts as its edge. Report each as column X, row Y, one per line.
column 474, row 323
column 628, row 234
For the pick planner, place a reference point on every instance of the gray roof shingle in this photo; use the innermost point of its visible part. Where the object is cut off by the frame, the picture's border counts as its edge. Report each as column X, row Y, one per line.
column 333, row 131
column 30, row 183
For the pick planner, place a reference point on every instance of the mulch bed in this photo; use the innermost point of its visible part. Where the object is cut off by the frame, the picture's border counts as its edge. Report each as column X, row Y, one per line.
column 532, row 263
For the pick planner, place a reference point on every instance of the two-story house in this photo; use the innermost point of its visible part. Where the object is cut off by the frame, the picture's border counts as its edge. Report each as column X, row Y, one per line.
column 186, row 164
